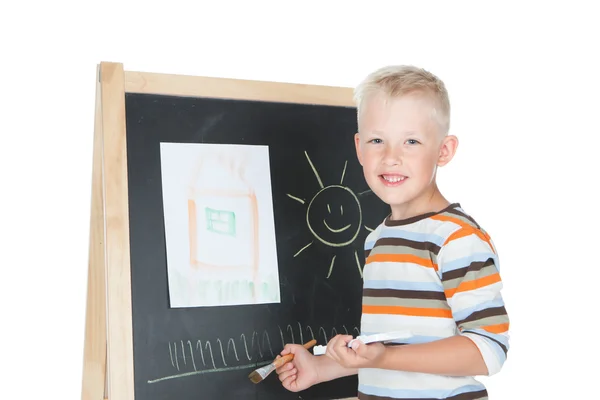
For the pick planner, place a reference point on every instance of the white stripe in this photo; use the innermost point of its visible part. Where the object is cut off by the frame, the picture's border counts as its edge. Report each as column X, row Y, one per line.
column 405, row 271
column 489, row 357
column 419, row 326
column 411, row 380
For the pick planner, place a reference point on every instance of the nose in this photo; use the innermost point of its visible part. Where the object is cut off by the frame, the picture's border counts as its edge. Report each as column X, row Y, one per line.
column 392, row 155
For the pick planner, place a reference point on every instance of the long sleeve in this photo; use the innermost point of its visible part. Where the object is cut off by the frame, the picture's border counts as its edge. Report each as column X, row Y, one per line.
column 469, row 269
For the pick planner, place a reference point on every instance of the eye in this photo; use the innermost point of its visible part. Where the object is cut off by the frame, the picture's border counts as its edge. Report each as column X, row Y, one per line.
column 375, row 141
column 412, row 141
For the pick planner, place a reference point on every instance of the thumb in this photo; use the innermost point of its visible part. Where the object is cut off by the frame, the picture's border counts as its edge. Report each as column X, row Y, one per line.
column 287, row 349
column 359, row 347
column 292, row 348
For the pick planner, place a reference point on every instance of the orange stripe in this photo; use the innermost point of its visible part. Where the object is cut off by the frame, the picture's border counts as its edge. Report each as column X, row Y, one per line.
column 499, row 328
column 425, row 262
column 462, row 232
column 412, row 311
column 472, row 285
column 469, row 229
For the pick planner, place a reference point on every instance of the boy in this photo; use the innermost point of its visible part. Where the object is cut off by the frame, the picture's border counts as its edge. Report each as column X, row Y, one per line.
column 430, row 268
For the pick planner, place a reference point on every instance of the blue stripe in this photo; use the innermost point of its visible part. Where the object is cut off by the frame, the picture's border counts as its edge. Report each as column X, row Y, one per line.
column 401, row 285
column 411, row 340
column 460, row 315
column 414, row 236
column 466, row 261
column 406, row 393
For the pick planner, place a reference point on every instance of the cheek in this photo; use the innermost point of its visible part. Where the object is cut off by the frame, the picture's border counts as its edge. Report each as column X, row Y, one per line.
column 370, row 158
column 427, row 166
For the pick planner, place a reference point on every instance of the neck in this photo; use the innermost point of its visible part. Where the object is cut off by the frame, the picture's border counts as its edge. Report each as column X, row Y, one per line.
column 431, row 201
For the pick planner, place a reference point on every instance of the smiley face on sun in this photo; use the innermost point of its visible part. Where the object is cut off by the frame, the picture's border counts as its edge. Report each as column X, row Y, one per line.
column 333, row 216
column 339, row 231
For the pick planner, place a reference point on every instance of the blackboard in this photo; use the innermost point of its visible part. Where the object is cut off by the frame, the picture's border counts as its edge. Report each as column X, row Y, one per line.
column 208, row 352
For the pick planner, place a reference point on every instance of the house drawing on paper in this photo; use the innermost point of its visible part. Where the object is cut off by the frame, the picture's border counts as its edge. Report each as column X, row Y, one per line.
column 221, row 246
column 224, row 224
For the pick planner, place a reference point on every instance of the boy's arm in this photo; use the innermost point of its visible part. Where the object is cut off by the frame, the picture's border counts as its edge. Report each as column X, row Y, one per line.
column 453, row 356
column 468, row 267
column 328, row 370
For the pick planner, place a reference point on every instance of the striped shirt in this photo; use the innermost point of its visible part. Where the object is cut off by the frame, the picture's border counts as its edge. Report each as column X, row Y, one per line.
column 436, row 275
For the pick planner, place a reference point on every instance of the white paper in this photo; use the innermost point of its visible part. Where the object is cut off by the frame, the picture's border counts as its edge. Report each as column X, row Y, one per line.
column 219, row 224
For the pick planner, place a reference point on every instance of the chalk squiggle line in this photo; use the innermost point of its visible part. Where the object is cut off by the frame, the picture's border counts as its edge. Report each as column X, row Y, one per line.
column 259, row 344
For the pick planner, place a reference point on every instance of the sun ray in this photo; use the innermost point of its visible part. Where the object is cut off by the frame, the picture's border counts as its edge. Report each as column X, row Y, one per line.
column 365, row 192
column 344, row 172
column 357, row 263
column 328, row 209
column 302, row 249
column 295, row 198
column 331, row 267
column 342, row 210
column 369, row 229
column 314, row 170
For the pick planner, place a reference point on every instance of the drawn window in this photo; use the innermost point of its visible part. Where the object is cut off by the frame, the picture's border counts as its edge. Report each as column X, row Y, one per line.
column 220, row 221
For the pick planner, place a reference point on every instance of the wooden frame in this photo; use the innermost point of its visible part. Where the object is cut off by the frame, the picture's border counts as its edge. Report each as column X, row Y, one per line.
column 108, row 349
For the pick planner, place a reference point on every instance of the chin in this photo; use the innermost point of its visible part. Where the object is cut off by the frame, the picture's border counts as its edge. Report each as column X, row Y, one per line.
column 390, row 199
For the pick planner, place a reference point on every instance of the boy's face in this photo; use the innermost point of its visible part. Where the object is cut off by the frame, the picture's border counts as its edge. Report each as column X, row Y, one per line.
column 400, row 145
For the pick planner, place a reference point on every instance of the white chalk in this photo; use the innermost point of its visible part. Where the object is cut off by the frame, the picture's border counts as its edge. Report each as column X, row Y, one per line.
column 319, row 350
column 378, row 337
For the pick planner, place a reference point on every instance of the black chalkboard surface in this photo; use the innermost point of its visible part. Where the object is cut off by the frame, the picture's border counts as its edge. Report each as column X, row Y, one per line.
column 140, row 346
column 208, row 352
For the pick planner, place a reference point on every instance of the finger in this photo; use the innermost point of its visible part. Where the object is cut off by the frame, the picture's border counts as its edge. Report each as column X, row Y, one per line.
column 289, row 382
column 286, row 374
column 346, row 338
column 292, row 348
column 284, row 367
column 332, row 352
column 333, row 340
column 360, row 348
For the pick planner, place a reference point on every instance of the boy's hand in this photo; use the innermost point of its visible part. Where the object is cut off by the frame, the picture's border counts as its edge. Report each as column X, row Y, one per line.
column 300, row 373
column 360, row 355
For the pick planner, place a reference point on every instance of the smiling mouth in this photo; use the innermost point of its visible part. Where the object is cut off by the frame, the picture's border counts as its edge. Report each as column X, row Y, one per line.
column 393, row 178
column 336, row 230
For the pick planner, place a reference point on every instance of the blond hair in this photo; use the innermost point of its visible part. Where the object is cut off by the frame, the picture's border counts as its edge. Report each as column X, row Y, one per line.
column 398, row 80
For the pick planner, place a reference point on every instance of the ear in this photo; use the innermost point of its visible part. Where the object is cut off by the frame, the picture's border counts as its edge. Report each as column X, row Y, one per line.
column 447, row 150
column 357, row 146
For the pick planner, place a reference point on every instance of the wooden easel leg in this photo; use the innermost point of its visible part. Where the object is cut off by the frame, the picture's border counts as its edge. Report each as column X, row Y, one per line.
column 94, row 363
column 116, row 209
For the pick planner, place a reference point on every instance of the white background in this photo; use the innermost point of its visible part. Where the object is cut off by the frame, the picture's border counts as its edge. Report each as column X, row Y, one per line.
column 524, row 86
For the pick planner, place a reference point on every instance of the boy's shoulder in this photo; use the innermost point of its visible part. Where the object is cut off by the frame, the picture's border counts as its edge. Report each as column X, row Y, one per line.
column 435, row 227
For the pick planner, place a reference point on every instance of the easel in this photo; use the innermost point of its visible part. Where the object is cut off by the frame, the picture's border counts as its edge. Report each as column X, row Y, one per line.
column 108, row 353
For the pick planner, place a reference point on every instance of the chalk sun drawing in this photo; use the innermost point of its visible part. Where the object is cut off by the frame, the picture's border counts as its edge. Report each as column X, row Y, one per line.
column 346, row 207
column 194, row 357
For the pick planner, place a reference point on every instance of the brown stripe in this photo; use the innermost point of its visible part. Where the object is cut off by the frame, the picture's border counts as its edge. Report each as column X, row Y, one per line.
column 392, row 241
column 465, row 216
column 405, row 294
column 367, row 252
column 388, row 221
column 503, row 347
column 461, row 272
column 478, row 395
column 488, row 312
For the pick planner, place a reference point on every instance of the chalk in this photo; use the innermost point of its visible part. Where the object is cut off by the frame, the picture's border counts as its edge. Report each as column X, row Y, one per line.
column 366, row 339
